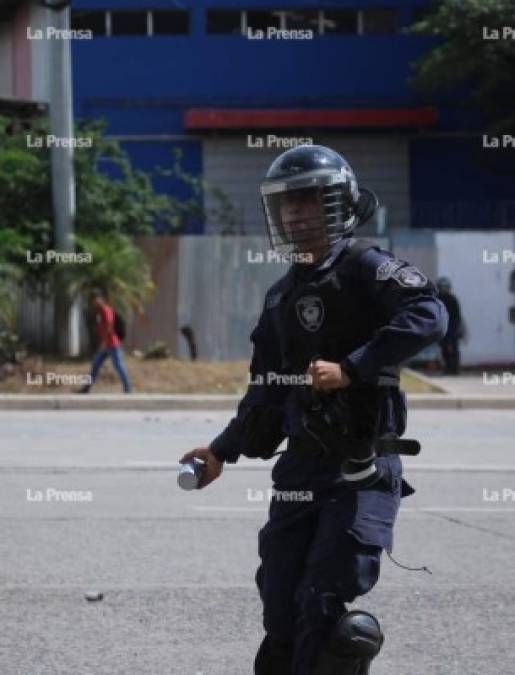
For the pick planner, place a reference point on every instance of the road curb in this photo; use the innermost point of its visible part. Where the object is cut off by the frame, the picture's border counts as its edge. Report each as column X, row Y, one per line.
column 110, row 402
column 437, row 389
column 118, row 402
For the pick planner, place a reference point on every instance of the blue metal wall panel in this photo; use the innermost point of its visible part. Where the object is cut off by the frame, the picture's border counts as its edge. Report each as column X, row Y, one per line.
column 143, row 85
column 457, row 184
column 231, row 70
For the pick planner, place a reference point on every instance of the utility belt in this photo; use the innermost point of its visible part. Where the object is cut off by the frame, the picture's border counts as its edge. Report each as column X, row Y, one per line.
column 340, row 426
column 343, row 427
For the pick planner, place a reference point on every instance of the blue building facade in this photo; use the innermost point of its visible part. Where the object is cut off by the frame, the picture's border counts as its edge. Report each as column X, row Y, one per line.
column 215, row 78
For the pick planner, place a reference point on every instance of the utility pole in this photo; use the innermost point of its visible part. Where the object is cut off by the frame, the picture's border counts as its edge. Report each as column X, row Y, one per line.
column 66, row 313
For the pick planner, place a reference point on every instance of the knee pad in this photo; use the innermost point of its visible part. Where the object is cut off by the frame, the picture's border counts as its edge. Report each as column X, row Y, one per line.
column 350, row 647
column 273, row 657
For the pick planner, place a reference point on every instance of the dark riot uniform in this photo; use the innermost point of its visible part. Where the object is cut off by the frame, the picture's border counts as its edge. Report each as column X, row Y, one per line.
column 368, row 312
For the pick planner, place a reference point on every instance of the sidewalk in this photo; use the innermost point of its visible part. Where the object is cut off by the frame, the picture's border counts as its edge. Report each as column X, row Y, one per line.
column 456, row 398
column 487, row 384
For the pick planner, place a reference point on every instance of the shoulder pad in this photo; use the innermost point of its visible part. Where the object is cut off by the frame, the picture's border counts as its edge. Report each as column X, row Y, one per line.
column 354, row 251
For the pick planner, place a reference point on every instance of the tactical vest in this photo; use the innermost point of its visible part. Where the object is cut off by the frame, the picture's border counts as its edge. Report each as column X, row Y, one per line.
column 324, row 313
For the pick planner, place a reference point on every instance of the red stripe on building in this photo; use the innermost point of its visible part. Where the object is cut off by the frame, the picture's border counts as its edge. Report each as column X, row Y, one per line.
column 204, row 118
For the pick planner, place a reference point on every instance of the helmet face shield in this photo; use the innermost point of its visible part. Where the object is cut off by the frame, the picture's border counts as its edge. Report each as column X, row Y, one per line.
column 296, row 220
column 306, row 220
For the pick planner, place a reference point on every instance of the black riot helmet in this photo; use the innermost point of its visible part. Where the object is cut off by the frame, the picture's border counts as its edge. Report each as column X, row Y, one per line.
column 311, row 199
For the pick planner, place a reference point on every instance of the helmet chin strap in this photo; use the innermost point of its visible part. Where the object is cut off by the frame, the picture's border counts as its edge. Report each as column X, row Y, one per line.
column 366, row 207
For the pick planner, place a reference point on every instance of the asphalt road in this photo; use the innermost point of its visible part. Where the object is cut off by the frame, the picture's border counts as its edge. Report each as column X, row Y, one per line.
column 176, row 569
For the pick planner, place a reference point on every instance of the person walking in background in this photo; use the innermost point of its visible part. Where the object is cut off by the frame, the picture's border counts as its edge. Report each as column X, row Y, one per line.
column 109, row 342
column 450, row 345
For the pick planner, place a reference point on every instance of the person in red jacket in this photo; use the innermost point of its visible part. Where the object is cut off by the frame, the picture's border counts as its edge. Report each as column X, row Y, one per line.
column 109, row 343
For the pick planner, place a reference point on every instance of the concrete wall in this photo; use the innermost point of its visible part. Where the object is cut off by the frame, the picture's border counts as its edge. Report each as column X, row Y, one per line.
column 221, row 292
column 21, row 52
column 25, row 64
column 159, row 321
column 479, row 265
column 213, row 285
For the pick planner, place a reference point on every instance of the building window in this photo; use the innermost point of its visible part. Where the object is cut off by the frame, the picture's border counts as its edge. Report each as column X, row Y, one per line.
column 263, row 20
column 340, row 21
column 380, row 20
column 129, row 23
column 171, row 22
column 94, row 21
column 223, row 21
column 301, row 19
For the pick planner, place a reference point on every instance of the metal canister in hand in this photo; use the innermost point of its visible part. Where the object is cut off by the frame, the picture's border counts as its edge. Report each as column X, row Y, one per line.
column 190, row 474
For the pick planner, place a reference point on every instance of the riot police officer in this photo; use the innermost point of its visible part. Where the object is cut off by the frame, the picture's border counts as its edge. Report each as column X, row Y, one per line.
column 335, row 327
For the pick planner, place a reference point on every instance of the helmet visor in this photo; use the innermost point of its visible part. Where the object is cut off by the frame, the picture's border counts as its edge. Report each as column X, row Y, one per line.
column 304, row 220
column 296, row 220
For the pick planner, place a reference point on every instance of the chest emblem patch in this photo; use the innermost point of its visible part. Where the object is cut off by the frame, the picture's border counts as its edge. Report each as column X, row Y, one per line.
column 410, row 277
column 310, row 312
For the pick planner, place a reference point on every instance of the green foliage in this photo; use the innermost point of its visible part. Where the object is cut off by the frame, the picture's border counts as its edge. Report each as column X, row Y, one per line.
column 111, row 196
column 125, row 200
column 222, row 211
column 11, row 247
column 110, row 207
column 118, row 266
column 8, row 295
column 119, row 200
column 464, row 57
column 10, row 349
column 114, row 202
column 25, row 195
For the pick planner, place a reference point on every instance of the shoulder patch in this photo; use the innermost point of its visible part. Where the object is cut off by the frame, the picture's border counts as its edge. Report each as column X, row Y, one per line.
column 409, row 277
column 387, row 269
